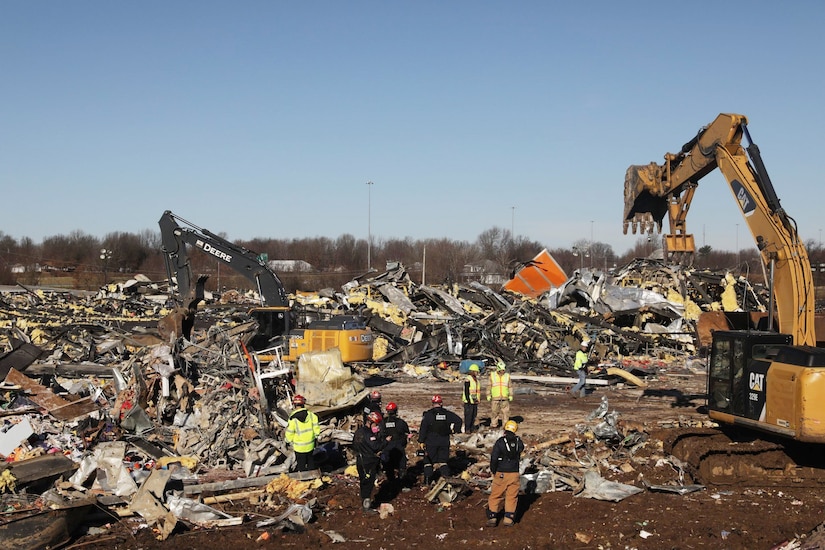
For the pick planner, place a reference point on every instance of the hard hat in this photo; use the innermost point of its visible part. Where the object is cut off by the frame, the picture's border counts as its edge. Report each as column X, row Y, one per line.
column 585, row 343
column 437, row 399
column 375, row 417
column 391, row 407
column 500, row 365
column 375, row 395
column 298, row 400
column 511, row 426
column 473, row 368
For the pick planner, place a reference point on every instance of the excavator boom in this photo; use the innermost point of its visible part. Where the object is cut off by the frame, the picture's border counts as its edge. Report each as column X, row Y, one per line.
column 655, row 190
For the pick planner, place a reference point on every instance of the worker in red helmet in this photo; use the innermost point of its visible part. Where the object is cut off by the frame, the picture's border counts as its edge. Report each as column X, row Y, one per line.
column 302, row 430
column 367, row 443
column 397, row 432
column 373, row 404
column 437, row 424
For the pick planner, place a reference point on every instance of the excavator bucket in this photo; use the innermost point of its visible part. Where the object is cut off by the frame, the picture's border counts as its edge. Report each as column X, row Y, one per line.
column 644, row 206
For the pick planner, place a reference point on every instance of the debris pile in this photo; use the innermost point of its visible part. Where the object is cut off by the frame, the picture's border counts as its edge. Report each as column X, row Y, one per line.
column 94, row 402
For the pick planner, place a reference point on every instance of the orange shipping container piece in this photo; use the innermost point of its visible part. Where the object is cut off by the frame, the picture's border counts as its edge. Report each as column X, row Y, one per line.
column 537, row 276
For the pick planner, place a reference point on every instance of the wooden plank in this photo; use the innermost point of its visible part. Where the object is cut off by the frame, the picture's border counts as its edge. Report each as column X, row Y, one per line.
column 558, row 380
column 245, row 482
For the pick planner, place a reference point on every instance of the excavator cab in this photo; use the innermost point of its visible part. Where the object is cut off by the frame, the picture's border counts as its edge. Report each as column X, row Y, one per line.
column 760, row 380
column 739, row 362
column 272, row 323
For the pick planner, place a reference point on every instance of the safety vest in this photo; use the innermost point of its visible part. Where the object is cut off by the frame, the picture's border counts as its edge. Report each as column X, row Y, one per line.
column 581, row 360
column 475, row 391
column 302, row 434
column 500, row 385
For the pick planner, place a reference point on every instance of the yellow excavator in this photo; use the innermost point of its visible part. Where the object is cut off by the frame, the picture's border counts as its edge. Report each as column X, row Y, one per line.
column 770, row 378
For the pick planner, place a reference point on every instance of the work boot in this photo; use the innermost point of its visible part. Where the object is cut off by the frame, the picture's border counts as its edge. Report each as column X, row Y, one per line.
column 508, row 519
column 491, row 518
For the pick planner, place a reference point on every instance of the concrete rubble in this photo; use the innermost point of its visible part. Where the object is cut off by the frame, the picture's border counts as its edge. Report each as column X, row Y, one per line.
column 98, row 403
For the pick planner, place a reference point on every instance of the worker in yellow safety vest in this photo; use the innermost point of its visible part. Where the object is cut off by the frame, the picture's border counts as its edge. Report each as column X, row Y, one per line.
column 580, row 367
column 500, row 393
column 302, row 430
column 471, row 396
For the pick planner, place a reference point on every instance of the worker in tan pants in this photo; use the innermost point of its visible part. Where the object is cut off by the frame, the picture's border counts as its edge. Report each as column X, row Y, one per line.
column 504, row 464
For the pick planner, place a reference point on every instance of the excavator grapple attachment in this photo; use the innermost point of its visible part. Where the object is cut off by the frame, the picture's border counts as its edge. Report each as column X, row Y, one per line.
column 643, row 210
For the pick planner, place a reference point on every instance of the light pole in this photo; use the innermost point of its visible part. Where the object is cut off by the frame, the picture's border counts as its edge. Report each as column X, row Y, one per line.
column 591, row 243
column 513, row 224
column 369, row 225
column 105, row 255
column 581, row 253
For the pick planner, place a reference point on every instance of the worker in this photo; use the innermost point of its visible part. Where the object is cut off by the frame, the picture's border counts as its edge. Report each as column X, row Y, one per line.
column 367, row 444
column 471, row 395
column 504, row 465
column 373, row 404
column 437, row 424
column 580, row 366
column 397, row 432
column 302, row 430
column 500, row 393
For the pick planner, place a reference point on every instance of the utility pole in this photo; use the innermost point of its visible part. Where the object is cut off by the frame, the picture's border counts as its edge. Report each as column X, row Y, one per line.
column 369, row 225
column 591, row 243
column 737, row 246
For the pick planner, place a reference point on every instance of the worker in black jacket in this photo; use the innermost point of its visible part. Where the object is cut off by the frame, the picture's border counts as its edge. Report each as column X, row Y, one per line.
column 373, row 404
column 437, row 424
column 397, row 432
column 504, row 464
column 367, row 444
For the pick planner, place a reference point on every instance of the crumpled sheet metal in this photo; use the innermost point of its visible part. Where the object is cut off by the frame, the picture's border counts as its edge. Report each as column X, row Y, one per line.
column 473, row 320
column 596, row 487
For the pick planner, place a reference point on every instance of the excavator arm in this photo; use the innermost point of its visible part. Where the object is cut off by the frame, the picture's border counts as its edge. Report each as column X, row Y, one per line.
column 175, row 240
column 653, row 190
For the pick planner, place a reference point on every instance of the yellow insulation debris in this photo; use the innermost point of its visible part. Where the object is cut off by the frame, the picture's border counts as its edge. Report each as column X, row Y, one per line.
column 292, row 488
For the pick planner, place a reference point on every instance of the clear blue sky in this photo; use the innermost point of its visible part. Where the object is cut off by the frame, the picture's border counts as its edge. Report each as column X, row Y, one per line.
column 267, row 118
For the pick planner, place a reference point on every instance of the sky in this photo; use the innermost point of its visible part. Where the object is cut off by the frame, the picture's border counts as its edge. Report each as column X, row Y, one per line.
column 266, row 119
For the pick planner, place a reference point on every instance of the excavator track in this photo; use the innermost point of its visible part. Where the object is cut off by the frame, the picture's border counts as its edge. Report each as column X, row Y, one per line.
column 716, row 457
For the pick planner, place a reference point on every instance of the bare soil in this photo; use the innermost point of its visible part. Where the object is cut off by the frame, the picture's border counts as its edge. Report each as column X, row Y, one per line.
column 749, row 516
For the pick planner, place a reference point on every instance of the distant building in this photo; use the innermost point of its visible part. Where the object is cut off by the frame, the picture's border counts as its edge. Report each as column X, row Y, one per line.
column 486, row 273
column 289, row 265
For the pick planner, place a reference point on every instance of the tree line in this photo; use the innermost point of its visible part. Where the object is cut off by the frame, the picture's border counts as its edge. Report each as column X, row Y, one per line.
column 84, row 261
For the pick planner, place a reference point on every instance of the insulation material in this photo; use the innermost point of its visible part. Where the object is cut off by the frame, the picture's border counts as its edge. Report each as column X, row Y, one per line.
column 324, row 380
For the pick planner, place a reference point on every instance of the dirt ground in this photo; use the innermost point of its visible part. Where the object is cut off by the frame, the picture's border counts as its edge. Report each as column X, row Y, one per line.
column 752, row 517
